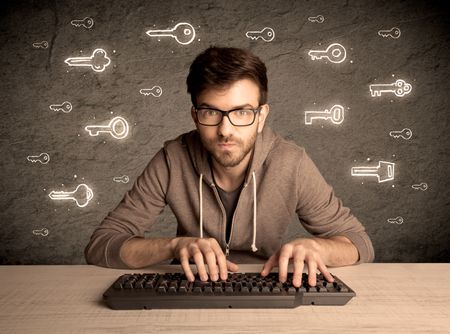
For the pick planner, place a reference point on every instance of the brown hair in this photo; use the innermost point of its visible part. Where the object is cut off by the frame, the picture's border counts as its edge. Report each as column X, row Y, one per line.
column 222, row 66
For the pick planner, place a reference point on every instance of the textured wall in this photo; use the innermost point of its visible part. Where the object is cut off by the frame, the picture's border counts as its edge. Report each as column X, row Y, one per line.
column 406, row 223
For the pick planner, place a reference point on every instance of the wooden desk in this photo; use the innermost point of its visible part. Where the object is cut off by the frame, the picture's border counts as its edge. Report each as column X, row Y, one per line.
column 391, row 298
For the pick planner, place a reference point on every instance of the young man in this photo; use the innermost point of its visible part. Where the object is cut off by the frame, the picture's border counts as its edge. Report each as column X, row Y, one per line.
column 234, row 186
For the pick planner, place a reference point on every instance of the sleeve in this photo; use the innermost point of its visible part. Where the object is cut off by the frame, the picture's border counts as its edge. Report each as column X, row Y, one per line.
column 134, row 215
column 322, row 213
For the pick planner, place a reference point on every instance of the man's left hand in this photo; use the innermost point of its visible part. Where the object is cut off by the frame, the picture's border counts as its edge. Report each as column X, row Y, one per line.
column 302, row 251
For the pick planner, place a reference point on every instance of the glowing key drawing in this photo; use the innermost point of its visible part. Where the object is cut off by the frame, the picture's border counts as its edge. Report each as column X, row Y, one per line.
column 335, row 53
column 405, row 134
column 156, row 91
column 422, row 186
column 81, row 195
column 266, row 34
column 123, row 179
column 65, row 107
column 117, row 127
column 43, row 158
column 87, row 23
column 384, row 171
column 397, row 220
column 399, row 88
column 184, row 33
column 318, row 19
column 43, row 231
column 41, row 45
column 335, row 114
column 98, row 61
column 393, row 33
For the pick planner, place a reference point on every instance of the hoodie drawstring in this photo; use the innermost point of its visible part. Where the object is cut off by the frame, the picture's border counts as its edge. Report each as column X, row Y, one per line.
column 201, row 206
column 254, row 249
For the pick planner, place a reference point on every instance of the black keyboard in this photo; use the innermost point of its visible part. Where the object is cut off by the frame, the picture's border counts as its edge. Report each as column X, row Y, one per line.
column 239, row 290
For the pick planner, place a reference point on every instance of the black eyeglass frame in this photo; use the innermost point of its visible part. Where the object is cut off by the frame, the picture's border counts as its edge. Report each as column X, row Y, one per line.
column 226, row 113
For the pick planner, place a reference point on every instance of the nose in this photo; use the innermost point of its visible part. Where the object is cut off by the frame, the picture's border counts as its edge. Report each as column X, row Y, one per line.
column 225, row 128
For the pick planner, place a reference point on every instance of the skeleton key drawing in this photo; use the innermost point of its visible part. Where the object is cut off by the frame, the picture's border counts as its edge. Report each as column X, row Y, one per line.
column 184, row 33
column 98, row 61
column 422, row 186
column 123, row 179
column 43, row 158
column 318, row 19
column 81, row 195
column 396, row 220
column 65, row 107
column 117, row 127
column 156, row 91
column 393, row 32
column 399, row 88
column 43, row 231
column 384, row 171
column 87, row 22
column 405, row 134
column 41, row 45
column 267, row 34
column 335, row 114
column 335, row 53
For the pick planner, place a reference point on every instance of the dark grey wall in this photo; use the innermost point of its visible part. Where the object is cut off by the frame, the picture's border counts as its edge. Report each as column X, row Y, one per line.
column 34, row 78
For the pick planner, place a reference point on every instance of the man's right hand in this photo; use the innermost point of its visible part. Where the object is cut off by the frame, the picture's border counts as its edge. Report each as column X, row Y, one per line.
column 185, row 248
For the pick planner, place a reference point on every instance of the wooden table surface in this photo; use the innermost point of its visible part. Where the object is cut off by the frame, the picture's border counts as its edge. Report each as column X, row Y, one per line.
column 390, row 298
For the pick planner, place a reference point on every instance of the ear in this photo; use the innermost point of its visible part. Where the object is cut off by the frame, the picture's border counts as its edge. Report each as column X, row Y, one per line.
column 194, row 115
column 264, row 112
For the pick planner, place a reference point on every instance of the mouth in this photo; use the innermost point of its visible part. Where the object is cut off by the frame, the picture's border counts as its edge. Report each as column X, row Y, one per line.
column 225, row 145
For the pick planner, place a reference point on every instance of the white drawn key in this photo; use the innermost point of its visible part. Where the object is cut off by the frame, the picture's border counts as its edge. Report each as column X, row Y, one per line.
column 87, row 22
column 422, row 186
column 393, row 32
column 335, row 114
column 335, row 53
column 41, row 45
column 123, row 179
column 65, row 107
column 399, row 88
column 156, row 91
column 405, row 134
column 117, row 127
column 397, row 220
column 98, row 61
column 267, row 34
column 318, row 19
column 384, row 171
column 43, row 231
column 184, row 33
column 81, row 195
column 43, row 158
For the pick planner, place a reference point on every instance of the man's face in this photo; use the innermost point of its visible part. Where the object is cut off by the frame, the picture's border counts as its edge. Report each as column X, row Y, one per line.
column 239, row 140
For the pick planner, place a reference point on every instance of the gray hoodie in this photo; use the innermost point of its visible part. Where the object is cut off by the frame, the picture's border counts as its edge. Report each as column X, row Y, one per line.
column 281, row 182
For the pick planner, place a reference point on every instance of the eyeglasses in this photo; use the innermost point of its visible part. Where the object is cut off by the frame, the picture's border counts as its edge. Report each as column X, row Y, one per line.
column 237, row 117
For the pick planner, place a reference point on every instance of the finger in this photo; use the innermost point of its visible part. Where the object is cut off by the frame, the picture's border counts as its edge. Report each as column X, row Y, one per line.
column 198, row 258
column 184, row 260
column 299, row 263
column 312, row 272
column 283, row 263
column 270, row 263
column 221, row 260
column 210, row 258
column 324, row 270
column 232, row 266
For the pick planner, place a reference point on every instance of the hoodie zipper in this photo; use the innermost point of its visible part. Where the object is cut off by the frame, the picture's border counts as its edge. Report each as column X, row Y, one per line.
column 232, row 220
column 224, row 214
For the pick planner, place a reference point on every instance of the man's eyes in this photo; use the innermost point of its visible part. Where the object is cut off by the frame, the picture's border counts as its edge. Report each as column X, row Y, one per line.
column 242, row 112
column 212, row 112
